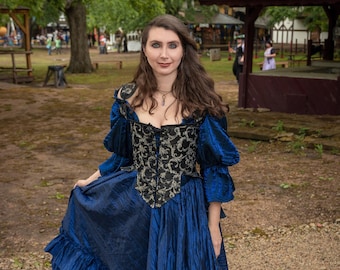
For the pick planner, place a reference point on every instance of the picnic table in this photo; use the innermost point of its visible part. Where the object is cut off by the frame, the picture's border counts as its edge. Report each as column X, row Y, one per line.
column 14, row 69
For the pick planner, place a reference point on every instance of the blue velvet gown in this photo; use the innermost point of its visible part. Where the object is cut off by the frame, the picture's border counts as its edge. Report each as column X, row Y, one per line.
column 117, row 223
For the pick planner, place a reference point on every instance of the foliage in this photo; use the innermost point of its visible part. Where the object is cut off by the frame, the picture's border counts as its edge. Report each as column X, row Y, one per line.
column 298, row 145
column 135, row 14
column 50, row 13
column 35, row 6
column 173, row 7
column 130, row 15
column 315, row 17
column 109, row 15
column 279, row 14
column 187, row 10
column 252, row 148
column 319, row 149
column 279, row 126
column 42, row 12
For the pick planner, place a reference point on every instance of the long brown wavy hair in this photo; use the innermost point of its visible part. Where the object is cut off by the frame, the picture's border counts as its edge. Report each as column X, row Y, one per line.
column 193, row 88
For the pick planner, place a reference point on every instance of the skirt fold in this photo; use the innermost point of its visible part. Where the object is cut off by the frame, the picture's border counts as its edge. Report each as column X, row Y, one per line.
column 108, row 226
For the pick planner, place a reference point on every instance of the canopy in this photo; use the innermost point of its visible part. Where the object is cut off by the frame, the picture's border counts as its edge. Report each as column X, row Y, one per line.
column 224, row 19
column 217, row 19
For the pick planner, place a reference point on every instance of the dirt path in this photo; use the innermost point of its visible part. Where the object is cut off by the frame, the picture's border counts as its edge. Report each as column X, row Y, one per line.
column 286, row 209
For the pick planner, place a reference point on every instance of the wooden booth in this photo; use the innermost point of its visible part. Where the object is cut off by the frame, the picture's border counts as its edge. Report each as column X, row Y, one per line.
column 13, row 72
column 312, row 89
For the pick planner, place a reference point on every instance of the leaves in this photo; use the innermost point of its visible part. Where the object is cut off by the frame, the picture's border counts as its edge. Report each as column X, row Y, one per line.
column 314, row 16
column 129, row 15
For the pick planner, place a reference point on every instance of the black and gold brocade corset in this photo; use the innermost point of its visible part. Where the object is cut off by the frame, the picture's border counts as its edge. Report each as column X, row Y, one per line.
column 161, row 156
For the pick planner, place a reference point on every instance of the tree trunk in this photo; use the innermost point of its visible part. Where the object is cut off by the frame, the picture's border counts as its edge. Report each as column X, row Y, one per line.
column 80, row 61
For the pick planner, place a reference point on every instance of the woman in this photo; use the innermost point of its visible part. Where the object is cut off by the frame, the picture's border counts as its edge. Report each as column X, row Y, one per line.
column 269, row 57
column 147, row 207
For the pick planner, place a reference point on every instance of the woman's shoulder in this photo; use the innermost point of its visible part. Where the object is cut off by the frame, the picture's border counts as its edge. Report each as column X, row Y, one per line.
column 212, row 122
column 125, row 91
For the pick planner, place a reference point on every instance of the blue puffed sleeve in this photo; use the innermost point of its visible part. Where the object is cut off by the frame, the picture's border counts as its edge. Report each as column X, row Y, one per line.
column 118, row 140
column 214, row 154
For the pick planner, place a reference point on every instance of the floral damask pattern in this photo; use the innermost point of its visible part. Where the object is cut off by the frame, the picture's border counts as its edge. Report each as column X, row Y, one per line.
column 161, row 157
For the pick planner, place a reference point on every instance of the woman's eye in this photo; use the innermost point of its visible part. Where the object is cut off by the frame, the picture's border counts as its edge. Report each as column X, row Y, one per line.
column 155, row 45
column 172, row 45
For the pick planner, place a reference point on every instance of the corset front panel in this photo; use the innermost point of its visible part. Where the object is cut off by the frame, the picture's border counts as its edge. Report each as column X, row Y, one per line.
column 161, row 157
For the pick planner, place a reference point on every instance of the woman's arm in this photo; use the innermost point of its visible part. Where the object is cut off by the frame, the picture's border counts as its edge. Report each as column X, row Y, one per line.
column 82, row 183
column 214, row 213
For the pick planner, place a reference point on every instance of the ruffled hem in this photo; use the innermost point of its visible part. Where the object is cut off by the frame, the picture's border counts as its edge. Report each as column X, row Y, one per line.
column 67, row 256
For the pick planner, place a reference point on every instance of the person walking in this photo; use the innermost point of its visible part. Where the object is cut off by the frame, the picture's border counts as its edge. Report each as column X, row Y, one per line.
column 269, row 57
column 58, row 45
column 49, row 45
column 149, row 207
column 239, row 56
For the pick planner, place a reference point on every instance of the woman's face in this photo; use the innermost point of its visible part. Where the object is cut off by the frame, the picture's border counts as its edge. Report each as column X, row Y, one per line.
column 164, row 51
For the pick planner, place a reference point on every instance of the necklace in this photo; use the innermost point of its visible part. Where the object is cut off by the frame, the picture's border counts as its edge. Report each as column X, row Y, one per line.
column 164, row 94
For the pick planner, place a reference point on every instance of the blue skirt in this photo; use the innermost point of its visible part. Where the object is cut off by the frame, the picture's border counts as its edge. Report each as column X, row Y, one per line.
column 109, row 226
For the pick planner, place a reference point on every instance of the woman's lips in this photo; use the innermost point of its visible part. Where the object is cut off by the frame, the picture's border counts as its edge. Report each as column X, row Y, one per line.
column 164, row 65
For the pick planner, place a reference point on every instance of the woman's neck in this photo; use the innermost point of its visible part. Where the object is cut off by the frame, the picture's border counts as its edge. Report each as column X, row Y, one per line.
column 165, row 82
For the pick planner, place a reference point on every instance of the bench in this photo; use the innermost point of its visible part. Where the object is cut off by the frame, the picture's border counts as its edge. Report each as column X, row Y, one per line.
column 13, row 69
column 284, row 64
column 119, row 63
column 15, row 78
column 215, row 46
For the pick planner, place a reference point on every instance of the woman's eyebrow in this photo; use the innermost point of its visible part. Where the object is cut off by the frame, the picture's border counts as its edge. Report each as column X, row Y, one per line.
column 171, row 41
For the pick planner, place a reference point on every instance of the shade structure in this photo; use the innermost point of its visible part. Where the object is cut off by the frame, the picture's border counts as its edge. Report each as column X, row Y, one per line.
column 217, row 19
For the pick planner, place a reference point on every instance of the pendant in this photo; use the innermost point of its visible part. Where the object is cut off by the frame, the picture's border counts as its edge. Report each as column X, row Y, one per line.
column 163, row 100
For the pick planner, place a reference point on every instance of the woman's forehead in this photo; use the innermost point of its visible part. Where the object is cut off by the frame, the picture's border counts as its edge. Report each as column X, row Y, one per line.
column 162, row 34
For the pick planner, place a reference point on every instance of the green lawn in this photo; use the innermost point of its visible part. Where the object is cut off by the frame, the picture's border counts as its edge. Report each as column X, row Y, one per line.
column 107, row 75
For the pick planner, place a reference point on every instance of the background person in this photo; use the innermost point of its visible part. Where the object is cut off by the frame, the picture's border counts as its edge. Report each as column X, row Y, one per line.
column 58, row 45
column 102, row 45
column 239, row 56
column 49, row 45
column 269, row 57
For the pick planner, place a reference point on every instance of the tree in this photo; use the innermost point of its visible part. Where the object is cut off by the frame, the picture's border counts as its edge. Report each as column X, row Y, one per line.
column 108, row 14
column 80, row 61
column 315, row 18
column 44, row 11
column 130, row 14
column 279, row 14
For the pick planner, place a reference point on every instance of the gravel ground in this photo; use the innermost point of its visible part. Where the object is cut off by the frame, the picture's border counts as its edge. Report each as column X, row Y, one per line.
column 269, row 227
column 306, row 247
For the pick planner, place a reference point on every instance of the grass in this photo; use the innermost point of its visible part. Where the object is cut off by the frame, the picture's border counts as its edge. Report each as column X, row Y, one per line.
column 107, row 75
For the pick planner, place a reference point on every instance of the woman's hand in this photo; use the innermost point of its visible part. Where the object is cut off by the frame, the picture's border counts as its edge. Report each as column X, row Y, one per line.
column 83, row 183
column 216, row 239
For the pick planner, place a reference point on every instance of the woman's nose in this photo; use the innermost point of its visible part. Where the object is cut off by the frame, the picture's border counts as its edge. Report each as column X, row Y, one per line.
column 164, row 52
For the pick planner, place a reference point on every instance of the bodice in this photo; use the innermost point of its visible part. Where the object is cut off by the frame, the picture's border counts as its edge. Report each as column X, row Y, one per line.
column 161, row 156
column 165, row 158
